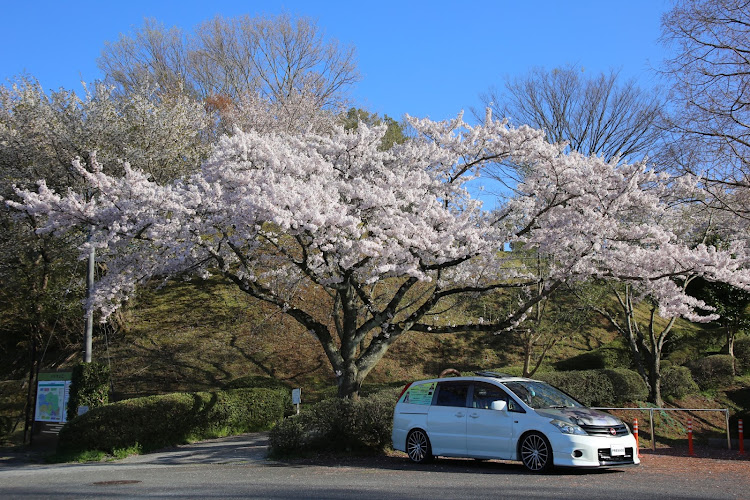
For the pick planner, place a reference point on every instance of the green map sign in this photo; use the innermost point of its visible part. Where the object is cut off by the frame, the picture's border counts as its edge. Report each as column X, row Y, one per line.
column 52, row 394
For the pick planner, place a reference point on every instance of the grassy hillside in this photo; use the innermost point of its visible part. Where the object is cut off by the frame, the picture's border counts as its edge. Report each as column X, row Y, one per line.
column 200, row 335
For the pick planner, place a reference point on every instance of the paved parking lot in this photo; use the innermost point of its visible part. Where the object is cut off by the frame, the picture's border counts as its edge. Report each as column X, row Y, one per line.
column 237, row 467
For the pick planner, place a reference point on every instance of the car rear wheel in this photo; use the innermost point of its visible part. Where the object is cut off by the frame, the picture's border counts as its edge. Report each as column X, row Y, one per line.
column 418, row 446
column 536, row 453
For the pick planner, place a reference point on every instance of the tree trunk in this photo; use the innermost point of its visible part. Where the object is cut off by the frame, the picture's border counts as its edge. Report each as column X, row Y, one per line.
column 654, row 391
column 30, row 395
column 350, row 382
column 730, row 347
column 527, row 359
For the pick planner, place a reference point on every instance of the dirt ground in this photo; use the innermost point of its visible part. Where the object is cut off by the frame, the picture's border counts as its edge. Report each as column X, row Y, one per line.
column 705, row 461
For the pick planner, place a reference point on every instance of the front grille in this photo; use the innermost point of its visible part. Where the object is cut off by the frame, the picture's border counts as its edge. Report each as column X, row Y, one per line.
column 606, row 458
column 606, row 430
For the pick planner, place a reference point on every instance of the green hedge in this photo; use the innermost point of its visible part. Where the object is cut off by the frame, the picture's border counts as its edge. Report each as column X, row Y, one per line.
column 257, row 381
column 599, row 387
column 627, row 384
column 742, row 354
column 158, row 421
column 338, row 425
column 89, row 387
column 713, row 371
column 598, row 359
column 677, row 382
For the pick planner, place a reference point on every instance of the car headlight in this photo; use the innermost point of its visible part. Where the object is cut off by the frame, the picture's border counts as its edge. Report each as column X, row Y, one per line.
column 568, row 428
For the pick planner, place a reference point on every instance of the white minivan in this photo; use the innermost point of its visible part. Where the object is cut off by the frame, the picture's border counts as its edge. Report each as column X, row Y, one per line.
column 496, row 416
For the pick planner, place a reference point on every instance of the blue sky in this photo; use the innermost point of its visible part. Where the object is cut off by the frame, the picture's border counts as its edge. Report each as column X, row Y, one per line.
column 425, row 58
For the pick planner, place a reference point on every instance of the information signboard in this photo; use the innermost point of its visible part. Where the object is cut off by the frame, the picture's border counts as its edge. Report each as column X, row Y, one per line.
column 52, row 395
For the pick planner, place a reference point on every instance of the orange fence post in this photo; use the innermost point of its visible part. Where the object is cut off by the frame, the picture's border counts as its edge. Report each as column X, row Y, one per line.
column 635, row 434
column 690, row 437
column 742, row 437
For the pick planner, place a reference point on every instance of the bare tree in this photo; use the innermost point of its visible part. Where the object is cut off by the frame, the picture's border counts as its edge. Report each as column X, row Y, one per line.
column 645, row 337
column 274, row 57
column 710, row 71
column 595, row 115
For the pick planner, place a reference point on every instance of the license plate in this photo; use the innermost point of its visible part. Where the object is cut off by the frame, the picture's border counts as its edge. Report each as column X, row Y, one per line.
column 617, row 451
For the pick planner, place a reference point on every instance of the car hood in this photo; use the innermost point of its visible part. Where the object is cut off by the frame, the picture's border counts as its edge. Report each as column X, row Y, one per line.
column 579, row 416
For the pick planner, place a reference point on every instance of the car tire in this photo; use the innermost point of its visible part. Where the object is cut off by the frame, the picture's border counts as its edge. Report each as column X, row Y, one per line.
column 535, row 452
column 418, row 447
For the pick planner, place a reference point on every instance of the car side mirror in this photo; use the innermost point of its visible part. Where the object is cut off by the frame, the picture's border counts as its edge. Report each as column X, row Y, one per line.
column 499, row 405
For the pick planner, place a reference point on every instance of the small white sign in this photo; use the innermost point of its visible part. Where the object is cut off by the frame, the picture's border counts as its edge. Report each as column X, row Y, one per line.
column 296, row 396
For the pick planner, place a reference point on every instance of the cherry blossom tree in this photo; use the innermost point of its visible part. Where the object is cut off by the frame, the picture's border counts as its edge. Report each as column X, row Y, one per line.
column 388, row 236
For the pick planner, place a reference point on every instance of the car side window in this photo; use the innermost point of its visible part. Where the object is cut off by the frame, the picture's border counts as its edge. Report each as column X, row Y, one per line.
column 452, row 394
column 485, row 394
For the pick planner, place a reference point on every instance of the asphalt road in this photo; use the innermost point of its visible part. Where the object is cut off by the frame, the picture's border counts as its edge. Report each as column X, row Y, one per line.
column 237, row 468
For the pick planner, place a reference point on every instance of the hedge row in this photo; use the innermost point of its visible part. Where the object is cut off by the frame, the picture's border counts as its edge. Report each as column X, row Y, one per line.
column 713, row 371
column 157, row 421
column 89, row 387
column 606, row 387
column 742, row 354
column 677, row 382
column 598, row 359
column 257, row 382
column 338, row 425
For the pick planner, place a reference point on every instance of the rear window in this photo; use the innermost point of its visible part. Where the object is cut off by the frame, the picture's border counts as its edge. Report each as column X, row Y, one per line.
column 419, row 394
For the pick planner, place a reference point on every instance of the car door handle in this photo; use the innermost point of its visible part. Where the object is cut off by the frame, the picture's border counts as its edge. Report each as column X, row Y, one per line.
column 474, row 415
column 460, row 414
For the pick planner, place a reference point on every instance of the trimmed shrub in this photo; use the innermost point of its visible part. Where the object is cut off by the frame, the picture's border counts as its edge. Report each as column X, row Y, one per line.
column 713, row 371
column 89, row 387
column 335, row 424
column 677, row 382
column 627, row 384
column 256, row 381
column 683, row 355
column 742, row 354
column 598, row 359
column 159, row 421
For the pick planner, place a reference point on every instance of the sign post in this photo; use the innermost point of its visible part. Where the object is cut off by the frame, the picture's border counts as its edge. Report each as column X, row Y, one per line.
column 297, row 398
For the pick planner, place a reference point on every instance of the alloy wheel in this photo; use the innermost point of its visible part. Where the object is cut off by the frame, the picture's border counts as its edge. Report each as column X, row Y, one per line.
column 536, row 453
column 418, row 447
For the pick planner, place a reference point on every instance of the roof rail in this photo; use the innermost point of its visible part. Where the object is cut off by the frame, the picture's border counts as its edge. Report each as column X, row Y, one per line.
column 485, row 373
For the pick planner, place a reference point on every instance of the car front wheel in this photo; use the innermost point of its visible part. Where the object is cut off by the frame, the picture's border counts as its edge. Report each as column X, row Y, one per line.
column 418, row 446
column 536, row 453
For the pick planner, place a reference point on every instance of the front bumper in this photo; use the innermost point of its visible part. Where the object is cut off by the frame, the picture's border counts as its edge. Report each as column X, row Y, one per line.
column 593, row 451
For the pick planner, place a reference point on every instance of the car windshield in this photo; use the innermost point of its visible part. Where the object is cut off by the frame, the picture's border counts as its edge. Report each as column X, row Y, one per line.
column 541, row 395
